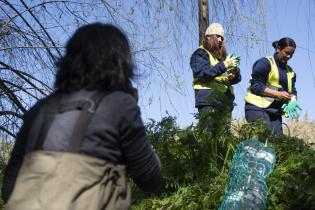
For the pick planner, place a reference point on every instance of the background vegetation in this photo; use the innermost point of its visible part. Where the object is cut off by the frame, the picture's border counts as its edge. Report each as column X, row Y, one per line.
column 195, row 165
column 163, row 34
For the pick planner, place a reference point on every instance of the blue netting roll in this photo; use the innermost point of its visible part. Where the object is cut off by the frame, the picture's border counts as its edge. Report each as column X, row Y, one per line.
column 251, row 165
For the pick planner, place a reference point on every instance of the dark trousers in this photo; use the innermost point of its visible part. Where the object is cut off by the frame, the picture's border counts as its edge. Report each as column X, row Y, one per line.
column 273, row 121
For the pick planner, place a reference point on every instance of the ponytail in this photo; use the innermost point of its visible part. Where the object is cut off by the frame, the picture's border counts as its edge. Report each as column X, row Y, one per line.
column 284, row 42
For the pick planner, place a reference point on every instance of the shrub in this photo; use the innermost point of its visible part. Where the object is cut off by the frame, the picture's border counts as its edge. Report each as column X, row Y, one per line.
column 5, row 150
column 195, row 163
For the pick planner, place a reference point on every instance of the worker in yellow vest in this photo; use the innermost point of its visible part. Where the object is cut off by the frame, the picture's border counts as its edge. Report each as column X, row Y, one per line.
column 214, row 73
column 272, row 86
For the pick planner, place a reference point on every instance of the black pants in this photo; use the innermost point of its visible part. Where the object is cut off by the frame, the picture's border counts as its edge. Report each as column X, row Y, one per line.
column 273, row 121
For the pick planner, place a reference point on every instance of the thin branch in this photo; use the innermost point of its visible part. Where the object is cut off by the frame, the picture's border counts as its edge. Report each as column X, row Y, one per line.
column 32, row 29
column 11, row 113
column 23, row 34
column 29, row 47
column 20, row 88
column 7, row 131
column 12, row 96
column 23, row 74
column 41, row 26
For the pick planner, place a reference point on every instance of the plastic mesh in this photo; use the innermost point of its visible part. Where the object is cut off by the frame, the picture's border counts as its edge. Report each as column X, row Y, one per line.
column 251, row 165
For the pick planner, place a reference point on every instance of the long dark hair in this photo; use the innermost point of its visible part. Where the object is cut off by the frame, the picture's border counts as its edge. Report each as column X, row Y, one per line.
column 210, row 43
column 284, row 42
column 97, row 57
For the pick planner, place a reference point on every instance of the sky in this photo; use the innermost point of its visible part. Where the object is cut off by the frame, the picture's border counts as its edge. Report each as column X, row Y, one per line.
column 284, row 18
column 158, row 26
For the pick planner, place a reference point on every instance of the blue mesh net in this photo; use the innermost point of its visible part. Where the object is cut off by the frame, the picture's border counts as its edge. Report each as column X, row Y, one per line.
column 251, row 165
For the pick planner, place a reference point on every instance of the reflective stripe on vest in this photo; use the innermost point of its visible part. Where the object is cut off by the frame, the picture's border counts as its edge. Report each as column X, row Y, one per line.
column 220, row 83
column 273, row 83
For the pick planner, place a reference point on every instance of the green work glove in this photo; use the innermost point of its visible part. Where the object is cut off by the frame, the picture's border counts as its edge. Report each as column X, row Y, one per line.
column 296, row 109
column 294, row 114
column 231, row 61
column 238, row 58
column 284, row 109
column 291, row 109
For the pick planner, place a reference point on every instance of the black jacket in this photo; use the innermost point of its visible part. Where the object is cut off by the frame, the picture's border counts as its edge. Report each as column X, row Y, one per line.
column 116, row 134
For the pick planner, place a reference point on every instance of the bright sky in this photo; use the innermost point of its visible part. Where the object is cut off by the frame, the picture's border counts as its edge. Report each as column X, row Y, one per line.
column 284, row 18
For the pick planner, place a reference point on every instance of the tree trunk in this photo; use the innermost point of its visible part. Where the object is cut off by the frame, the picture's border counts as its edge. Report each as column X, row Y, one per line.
column 203, row 6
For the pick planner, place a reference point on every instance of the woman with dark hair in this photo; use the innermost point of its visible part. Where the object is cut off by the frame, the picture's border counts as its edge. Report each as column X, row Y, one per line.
column 214, row 74
column 98, row 57
column 272, row 86
column 76, row 145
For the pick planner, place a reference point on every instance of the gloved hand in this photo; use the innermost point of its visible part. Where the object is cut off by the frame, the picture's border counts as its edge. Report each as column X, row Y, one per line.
column 294, row 114
column 285, row 108
column 295, row 110
column 238, row 58
column 291, row 109
column 288, row 111
column 231, row 61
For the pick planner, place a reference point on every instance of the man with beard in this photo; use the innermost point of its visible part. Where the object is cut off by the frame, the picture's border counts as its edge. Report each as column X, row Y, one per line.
column 214, row 74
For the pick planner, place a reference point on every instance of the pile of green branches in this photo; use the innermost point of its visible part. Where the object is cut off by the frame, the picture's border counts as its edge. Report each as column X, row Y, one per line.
column 195, row 165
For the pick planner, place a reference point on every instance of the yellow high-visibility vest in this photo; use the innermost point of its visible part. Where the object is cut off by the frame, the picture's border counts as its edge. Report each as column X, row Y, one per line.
column 219, row 83
column 273, row 83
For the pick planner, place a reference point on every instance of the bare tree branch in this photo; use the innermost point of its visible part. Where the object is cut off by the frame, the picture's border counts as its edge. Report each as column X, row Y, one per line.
column 31, row 28
column 23, row 74
column 7, row 131
column 21, row 88
column 11, row 113
column 160, row 34
column 12, row 96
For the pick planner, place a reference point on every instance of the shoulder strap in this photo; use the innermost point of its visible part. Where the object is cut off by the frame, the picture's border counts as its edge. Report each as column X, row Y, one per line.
column 85, row 117
column 53, row 106
column 46, row 119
